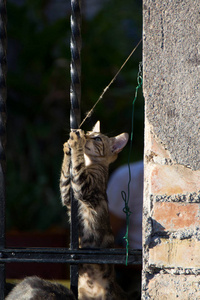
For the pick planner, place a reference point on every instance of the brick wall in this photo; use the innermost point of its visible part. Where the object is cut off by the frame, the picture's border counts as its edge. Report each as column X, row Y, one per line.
column 171, row 218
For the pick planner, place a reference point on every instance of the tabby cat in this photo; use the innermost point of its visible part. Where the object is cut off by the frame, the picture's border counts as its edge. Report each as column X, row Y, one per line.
column 88, row 156
column 84, row 169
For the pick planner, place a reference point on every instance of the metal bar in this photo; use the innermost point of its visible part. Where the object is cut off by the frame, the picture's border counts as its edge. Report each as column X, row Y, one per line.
column 2, row 281
column 75, row 117
column 62, row 255
column 75, row 67
column 2, row 121
column 3, row 91
column 74, row 244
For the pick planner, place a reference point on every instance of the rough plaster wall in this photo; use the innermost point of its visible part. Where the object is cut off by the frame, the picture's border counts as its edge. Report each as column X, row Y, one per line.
column 171, row 215
column 172, row 76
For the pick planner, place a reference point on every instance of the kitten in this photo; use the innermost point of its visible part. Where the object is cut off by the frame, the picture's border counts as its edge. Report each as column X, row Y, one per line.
column 86, row 162
column 34, row 288
column 89, row 156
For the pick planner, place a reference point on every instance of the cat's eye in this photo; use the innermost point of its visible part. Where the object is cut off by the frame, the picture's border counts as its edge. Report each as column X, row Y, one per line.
column 97, row 138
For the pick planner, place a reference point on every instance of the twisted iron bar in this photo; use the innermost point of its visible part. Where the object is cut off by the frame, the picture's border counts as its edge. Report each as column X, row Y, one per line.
column 75, row 118
column 2, row 84
column 2, row 113
column 75, row 68
column 3, row 94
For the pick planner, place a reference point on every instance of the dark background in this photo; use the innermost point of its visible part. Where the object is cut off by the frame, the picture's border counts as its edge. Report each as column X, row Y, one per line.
column 38, row 102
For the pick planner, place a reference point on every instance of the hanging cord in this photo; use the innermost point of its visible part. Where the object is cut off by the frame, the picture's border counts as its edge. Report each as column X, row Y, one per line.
column 107, row 87
column 125, row 197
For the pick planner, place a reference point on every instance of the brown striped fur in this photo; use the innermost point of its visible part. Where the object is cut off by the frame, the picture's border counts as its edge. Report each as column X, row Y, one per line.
column 86, row 161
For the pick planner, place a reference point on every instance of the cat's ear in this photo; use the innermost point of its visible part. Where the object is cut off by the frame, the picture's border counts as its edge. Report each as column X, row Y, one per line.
column 119, row 142
column 96, row 127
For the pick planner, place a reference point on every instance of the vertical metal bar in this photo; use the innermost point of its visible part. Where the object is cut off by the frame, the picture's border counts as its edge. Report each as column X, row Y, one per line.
column 75, row 68
column 2, row 137
column 74, row 244
column 75, row 117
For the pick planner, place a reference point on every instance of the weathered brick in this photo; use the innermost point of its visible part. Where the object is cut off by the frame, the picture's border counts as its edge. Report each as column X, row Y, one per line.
column 169, row 216
column 176, row 179
column 175, row 253
column 173, row 287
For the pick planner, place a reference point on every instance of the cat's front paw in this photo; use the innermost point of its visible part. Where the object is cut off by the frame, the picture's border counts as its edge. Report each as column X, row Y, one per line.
column 77, row 138
column 66, row 149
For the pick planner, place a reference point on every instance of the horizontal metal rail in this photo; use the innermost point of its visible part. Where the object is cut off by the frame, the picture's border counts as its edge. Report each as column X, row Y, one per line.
column 62, row 255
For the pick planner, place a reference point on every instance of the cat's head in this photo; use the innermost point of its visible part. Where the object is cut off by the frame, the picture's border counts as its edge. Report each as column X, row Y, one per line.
column 100, row 148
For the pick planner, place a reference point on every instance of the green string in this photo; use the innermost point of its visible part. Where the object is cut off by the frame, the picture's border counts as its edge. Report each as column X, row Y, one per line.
column 125, row 197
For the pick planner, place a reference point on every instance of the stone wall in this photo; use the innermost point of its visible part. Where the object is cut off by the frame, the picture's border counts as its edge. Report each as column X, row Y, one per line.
column 171, row 219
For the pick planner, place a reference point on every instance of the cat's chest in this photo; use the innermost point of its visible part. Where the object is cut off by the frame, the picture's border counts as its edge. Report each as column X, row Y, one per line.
column 94, row 215
column 87, row 216
column 92, row 285
column 94, row 226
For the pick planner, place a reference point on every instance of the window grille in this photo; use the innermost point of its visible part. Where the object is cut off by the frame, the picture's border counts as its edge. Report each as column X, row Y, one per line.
column 72, row 256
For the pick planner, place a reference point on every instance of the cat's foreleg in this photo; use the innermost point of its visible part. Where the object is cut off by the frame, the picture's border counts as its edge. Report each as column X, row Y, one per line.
column 78, row 170
column 65, row 183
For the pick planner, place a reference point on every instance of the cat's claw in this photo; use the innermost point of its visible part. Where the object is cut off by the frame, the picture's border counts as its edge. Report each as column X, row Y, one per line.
column 76, row 138
column 66, row 148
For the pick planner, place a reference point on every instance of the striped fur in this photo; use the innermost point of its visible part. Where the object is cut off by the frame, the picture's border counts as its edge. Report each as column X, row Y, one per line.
column 35, row 288
column 86, row 161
